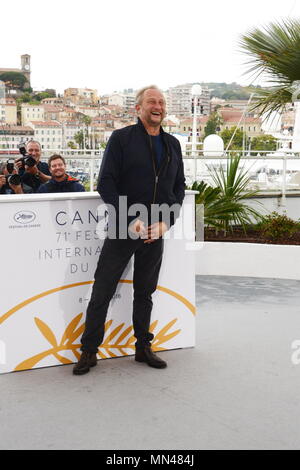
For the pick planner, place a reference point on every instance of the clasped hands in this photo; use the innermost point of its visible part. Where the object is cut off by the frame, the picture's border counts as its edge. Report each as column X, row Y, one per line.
column 150, row 233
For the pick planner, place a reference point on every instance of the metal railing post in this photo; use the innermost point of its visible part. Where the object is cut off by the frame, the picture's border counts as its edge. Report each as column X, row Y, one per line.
column 92, row 173
column 283, row 198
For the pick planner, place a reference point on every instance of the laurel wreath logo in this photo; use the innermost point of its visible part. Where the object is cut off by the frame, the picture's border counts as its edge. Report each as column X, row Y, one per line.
column 117, row 341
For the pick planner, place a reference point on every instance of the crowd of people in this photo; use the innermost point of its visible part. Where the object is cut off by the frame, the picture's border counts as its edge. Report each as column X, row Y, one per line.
column 28, row 174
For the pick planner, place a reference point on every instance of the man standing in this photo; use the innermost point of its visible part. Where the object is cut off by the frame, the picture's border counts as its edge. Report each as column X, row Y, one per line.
column 60, row 182
column 33, row 176
column 143, row 163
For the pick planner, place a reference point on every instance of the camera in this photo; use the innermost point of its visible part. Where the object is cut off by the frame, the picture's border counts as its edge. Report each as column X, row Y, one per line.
column 12, row 179
column 10, row 166
column 26, row 159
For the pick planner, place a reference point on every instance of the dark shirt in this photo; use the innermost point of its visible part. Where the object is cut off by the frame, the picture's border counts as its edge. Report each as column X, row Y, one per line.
column 158, row 148
column 69, row 185
column 33, row 180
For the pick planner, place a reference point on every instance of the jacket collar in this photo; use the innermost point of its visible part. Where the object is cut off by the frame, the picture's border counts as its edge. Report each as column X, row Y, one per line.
column 141, row 126
column 164, row 138
column 67, row 178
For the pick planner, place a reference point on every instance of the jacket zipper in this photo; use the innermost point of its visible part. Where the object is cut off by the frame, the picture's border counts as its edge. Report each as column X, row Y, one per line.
column 154, row 168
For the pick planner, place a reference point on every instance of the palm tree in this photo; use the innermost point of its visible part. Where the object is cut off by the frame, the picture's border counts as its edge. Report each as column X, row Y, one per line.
column 217, row 210
column 274, row 53
column 225, row 204
column 233, row 183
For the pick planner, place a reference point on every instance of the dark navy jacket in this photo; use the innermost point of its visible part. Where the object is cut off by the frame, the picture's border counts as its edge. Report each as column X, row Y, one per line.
column 129, row 168
column 32, row 180
column 69, row 185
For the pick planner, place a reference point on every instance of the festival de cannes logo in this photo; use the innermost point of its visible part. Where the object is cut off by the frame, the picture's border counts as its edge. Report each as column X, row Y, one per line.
column 117, row 341
column 53, row 337
column 24, row 217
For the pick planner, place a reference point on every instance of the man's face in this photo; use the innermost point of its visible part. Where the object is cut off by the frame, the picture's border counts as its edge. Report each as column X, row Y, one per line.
column 152, row 109
column 34, row 150
column 57, row 168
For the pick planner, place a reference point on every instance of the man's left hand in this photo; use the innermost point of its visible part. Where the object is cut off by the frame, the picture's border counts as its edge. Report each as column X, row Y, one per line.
column 17, row 188
column 156, row 231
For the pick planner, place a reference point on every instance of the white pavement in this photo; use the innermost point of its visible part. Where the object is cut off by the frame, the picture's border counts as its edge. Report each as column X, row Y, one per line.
column 237, row 389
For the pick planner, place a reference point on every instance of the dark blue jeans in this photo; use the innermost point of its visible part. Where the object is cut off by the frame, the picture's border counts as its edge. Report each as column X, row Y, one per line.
column 113, row 259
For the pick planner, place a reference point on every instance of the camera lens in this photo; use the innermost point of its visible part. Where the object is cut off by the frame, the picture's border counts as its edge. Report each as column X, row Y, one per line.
column 22, row 149
column 30, row 161
column 10, row 167
column 14, row 179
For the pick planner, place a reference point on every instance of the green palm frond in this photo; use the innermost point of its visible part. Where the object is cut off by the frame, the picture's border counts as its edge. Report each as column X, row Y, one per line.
column 233, row 181
column 233, row 184
column 224, row 205
column 272, row 99
column 274, row 53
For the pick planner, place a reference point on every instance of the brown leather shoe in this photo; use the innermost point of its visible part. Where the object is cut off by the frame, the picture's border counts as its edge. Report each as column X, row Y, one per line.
column 147, row 355
column 86, row 361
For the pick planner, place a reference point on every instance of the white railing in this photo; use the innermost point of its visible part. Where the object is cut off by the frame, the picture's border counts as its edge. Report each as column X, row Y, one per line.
column 269, row 172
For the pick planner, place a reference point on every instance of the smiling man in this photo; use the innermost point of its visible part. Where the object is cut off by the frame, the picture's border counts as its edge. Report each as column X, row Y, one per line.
column 60, row 182
column 34, row 175
column 143, row 164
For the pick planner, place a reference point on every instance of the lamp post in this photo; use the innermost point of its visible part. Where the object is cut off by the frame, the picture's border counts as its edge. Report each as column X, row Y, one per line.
column 196, row 92
column 249, row 147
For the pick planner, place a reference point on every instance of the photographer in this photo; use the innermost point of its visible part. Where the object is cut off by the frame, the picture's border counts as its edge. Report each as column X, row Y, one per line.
column 60, row 182
column 33, row 172
column 10, row 181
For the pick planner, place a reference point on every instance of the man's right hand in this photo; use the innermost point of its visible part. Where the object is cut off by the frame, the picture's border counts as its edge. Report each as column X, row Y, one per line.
column 18, row 164
column 17, row 188
column 138, row 228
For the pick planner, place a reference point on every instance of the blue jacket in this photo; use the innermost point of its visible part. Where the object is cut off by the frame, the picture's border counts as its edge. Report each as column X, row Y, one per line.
column 129, row 168
column 69, row 185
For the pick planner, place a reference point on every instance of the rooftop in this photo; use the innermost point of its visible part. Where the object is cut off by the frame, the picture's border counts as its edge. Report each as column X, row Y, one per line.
column 51, row 108
column 45, row 123
column 11, row 128
column 237, row 389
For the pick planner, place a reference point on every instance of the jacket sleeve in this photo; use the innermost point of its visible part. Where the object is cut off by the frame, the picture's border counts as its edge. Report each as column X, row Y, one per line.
column 179, row 186
column 42, row 189
column 179, row 189
column 79, row 188
column 110, row 171
column 109, row 182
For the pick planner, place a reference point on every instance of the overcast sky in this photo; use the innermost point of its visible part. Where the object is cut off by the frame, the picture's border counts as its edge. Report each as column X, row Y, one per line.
column 115, row 44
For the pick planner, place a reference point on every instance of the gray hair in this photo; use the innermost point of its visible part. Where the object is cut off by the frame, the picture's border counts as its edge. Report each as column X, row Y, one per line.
column 140, row 94
column 33, row 142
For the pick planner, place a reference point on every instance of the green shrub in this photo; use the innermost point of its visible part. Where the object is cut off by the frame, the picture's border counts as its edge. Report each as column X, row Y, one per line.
column 276, row 226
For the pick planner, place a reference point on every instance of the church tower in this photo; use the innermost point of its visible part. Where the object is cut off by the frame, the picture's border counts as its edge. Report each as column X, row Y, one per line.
column 25, row 68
